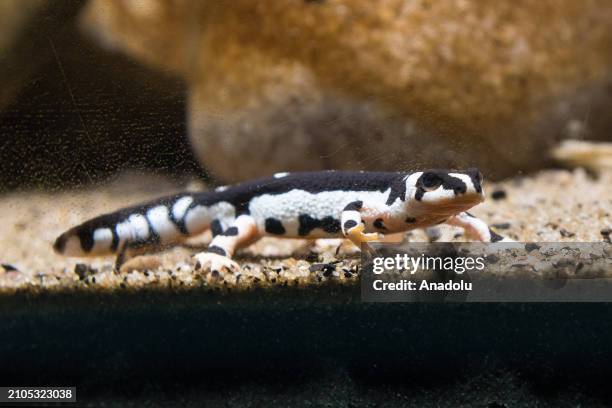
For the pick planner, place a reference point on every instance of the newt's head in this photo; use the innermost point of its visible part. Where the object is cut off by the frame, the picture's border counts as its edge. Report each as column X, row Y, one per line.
column 445, row 191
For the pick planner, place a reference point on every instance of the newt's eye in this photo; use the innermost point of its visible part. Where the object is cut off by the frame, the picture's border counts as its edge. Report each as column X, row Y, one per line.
column 430, row 181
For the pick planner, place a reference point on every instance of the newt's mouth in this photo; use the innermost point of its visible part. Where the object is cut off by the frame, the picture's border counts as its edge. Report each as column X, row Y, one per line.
column 453, row 205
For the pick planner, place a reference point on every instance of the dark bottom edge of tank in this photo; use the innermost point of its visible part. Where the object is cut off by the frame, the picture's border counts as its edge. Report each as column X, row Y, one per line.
column 295, row 347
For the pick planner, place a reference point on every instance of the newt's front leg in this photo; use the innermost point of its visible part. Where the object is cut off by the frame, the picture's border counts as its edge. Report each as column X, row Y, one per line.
column 353, row 226
column 475, row 228
column 242, row 232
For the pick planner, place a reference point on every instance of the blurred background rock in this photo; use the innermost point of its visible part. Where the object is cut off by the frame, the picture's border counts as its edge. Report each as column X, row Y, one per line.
column 246, row 88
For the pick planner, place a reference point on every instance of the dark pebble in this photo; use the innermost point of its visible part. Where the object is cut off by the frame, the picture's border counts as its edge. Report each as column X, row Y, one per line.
column 9, row 268
column 433, row 234
column 530, row 246
column 328, row 272
column 565, row 233
column 492, row 258
column 499, row 194
column 606, row 234
column 327, row 269
column 502, row 226
column 82, row 271
column 348, row 274
column 312, row 257
column 316, row 267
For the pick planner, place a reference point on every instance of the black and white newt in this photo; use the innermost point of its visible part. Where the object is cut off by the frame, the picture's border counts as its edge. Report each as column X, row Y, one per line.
column 359, row 206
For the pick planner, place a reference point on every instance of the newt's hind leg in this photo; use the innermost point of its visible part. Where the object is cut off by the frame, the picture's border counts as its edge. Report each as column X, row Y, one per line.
column 242, row 232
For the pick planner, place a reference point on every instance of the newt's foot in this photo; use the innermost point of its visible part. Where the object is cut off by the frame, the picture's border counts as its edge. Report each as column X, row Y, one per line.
column 357, row 236
column 215, row 263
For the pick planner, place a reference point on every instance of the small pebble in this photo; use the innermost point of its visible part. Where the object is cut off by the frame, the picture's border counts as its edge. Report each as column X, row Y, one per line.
column 316, row 267
column 565, row 233
column 530, row 246
column 83, row 271
column 312, row 257
column 327, row 268
column 498, row 194
column 492, row 258
column 502, row 226
column 606, row 234
column 433, row 234
column 9, row 268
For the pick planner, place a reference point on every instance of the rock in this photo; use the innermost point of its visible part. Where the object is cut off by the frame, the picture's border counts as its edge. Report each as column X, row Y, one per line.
column 28, row 29
column 593, row 156
column 312, row 85
column 83, row 271
column 502, row 225
column 433, row 233
column 499, row 194
column 15, row 16
column 10, row 268
column 530, row 246
column 565, row 233
column 605, row 233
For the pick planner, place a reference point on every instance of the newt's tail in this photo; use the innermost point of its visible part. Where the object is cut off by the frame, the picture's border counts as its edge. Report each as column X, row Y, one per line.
column 157, row 223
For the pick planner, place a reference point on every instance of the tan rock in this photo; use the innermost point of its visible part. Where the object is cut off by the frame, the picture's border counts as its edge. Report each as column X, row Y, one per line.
column 15, row 15
column 29, row 30
column 286, row 85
